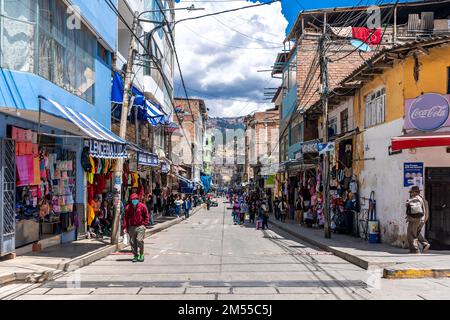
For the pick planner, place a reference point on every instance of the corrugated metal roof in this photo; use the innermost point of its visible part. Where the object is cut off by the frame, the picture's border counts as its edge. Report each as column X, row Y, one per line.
column 380, row 56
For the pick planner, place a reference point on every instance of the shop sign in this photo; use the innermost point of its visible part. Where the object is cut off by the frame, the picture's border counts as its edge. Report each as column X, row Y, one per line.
column 325, row 147
column 165, row 168
column 413, row 174
column 146, row 159
column 428, row 112
column 310, row 148
column 104, row 149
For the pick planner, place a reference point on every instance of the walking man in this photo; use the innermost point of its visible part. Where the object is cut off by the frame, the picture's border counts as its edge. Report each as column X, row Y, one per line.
column 134, row 223
column 186, row 206
column 417, row 214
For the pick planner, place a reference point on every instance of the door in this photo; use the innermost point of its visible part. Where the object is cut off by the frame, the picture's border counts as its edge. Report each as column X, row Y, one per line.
column 7, row 196
column 438, row 196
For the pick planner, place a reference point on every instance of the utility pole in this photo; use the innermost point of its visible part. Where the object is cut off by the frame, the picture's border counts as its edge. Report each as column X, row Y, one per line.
column 324, row 96
column 122, row 134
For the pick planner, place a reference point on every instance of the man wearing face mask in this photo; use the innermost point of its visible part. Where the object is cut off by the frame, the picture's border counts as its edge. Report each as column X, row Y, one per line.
column 135, row 219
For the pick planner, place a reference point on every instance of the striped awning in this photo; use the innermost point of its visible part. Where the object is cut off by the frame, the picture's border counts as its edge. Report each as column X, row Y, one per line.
column 154, row 115
column 103, row 142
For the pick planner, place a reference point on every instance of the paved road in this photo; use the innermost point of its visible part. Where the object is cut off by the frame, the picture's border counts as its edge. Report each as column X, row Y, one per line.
column 207, row 257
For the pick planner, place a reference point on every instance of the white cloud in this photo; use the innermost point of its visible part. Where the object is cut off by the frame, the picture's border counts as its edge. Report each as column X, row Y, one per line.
column 215, row 66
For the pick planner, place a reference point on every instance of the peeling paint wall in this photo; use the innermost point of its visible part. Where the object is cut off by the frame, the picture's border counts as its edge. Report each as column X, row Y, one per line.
column 384, row 175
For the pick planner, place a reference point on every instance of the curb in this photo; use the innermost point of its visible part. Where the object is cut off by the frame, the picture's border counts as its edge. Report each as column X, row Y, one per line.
column 87, row 258
column 388, row 271
column 9, row 277
column 415, row 273
column 344, row 255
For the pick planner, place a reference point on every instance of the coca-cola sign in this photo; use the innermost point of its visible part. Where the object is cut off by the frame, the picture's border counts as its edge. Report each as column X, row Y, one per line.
column 428, row 112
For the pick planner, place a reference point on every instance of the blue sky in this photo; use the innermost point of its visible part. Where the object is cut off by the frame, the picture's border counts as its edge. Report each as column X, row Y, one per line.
column 291, row 8
column 223, row 57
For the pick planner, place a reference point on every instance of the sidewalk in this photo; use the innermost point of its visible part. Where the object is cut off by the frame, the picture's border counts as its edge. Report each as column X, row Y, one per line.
column 395, row 262
column 43, row 265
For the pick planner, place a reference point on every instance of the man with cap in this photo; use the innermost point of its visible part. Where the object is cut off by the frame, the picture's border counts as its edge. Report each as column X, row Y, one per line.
column 135, row 220
column 417, row 214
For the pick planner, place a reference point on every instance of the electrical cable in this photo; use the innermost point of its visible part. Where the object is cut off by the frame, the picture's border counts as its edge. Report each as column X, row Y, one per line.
column 165, row 81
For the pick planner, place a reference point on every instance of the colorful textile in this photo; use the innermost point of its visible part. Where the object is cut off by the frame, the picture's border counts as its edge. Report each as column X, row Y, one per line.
column 369, row 36
column 36, row 171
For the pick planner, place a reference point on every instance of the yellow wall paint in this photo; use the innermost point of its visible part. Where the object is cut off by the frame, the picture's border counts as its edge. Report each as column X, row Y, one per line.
column 401, row 85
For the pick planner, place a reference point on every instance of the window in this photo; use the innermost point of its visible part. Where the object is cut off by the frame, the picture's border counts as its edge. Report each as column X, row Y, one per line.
column 296, row 133
column 344, row 121
column 35, row 38
column 374, row 111
column 332, row 127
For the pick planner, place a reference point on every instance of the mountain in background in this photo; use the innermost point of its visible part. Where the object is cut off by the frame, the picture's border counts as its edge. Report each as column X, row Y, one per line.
column 226, row 123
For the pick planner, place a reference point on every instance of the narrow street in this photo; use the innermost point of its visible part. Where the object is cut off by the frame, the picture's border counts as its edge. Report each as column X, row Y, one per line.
column 207, row 257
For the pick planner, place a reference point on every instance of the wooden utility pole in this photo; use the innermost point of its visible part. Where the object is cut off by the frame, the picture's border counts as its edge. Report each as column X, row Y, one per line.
column 122, row 134
column 324, row 89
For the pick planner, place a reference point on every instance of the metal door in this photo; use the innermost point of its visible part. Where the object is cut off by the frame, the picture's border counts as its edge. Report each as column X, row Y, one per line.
column 7, row 196
column 438, row 196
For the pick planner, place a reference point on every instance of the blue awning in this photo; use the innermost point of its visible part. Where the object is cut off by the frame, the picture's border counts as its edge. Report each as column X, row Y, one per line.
column 154, row 115
column 117, row 92
column 104, row 143
column 148, row 109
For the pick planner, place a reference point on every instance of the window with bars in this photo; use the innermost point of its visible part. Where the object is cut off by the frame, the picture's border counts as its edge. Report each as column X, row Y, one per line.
column 374, row 109
column 344, row 121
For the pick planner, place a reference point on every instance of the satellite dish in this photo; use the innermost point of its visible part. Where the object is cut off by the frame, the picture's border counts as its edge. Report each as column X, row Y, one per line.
column 358, row 44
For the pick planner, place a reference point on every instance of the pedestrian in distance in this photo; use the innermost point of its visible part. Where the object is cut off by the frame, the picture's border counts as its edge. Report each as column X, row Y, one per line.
column 236, row 212
column 186, row 206
column 134, row 223
column 178, row 206
column 265, row 215
column 417, row 214
column 276, row 212
column 283, row 209
column 149, row 203
column 208, row 203
column 299, row 210
column 252, row 211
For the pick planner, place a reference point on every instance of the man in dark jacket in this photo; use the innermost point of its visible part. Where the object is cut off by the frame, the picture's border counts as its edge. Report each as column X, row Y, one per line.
column 135, row 220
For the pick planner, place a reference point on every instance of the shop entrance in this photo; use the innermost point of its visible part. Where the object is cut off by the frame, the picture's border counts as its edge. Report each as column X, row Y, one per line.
column 7, row 196
column 438, row 196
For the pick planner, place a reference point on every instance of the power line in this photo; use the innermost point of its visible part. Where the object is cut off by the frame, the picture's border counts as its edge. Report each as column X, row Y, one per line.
column 226, row 11
column 133, row 34
column 231, row 46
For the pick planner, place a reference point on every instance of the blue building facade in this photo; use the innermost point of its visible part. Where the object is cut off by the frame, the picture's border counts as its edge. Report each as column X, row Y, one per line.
column 55, row 52
column 290, row 141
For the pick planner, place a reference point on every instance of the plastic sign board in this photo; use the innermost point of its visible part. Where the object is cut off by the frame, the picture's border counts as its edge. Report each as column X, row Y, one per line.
column 428, row 112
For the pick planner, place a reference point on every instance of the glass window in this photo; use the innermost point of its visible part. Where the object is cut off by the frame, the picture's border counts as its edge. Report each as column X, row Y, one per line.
column 61, row 55
column 24, row 10
column 344, row 121
column 17, row 45
column 45, row 56
column 375, row 106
